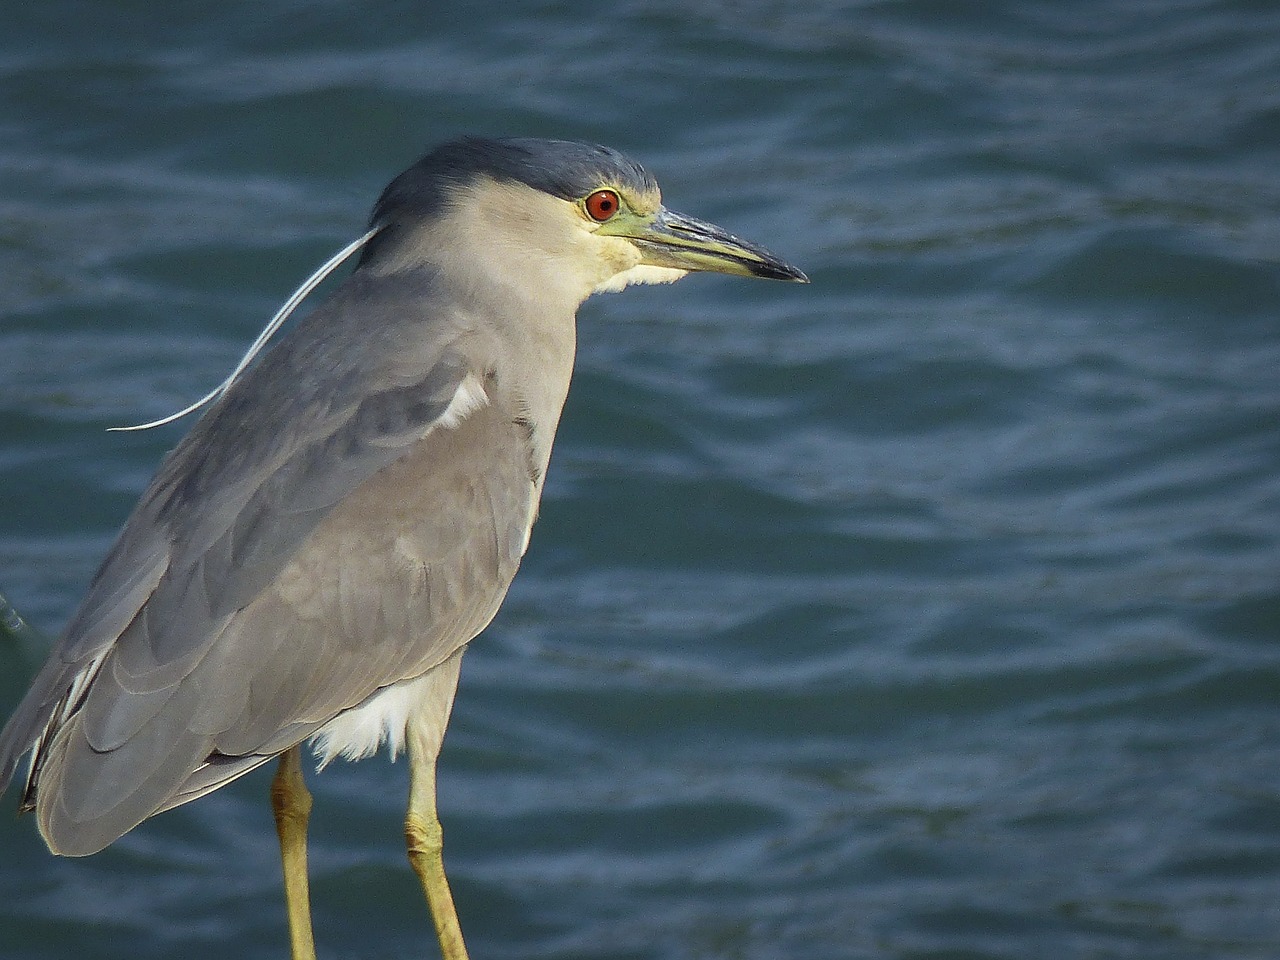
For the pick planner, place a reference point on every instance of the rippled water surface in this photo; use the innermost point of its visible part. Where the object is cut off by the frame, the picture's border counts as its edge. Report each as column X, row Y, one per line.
column 929, row 611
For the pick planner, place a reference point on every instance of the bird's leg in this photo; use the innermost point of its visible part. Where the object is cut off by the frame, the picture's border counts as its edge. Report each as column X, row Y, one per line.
column 425, row 842
column 422, row 833
column 291, row 802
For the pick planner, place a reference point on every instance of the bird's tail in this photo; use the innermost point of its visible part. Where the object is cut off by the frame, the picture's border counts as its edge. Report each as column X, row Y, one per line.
column 21, row 647
column 16, row 632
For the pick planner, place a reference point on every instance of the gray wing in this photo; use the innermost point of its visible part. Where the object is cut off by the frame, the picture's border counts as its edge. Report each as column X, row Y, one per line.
column 319, row 534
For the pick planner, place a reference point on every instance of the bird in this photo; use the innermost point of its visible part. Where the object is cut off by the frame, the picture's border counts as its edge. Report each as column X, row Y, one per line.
column 310, row 562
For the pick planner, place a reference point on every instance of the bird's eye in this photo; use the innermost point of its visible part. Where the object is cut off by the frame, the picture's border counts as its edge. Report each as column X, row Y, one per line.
column 602, row 205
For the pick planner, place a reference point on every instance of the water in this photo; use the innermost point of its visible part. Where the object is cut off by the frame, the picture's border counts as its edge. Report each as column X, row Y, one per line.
column 930, row 611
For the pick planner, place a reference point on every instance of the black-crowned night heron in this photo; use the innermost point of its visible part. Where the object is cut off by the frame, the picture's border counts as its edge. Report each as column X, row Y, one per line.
column 312, row 559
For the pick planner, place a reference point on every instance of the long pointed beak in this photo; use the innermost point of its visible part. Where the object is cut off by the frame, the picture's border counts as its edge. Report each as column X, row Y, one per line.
column 669, row 239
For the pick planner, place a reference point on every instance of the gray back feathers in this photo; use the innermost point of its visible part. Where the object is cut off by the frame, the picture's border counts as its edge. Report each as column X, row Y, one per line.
column 324, row 531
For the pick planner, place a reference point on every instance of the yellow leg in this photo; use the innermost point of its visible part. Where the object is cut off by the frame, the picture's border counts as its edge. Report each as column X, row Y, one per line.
column 425, row 842
column 291, row 802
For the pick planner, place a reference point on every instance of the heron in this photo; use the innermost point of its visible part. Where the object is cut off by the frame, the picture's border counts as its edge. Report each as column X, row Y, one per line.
column 310, row 562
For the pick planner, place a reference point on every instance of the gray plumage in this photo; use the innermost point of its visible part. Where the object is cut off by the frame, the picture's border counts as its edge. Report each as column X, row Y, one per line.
column 349, row 514
column 235, row 631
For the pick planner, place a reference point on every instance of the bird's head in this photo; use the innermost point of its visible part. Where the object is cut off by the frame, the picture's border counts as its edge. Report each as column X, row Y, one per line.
column 551, row 216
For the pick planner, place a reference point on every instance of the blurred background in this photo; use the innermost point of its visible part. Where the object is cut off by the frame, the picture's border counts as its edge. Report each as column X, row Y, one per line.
column 929, row 611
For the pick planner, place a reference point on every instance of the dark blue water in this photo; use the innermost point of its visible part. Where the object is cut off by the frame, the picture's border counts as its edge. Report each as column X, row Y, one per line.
column 930, row 611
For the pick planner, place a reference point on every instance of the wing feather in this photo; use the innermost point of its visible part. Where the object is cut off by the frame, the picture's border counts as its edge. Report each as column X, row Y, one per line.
column 319, row 535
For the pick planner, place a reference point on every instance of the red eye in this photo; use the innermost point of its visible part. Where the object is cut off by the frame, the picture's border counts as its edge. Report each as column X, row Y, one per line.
column 602, row 205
